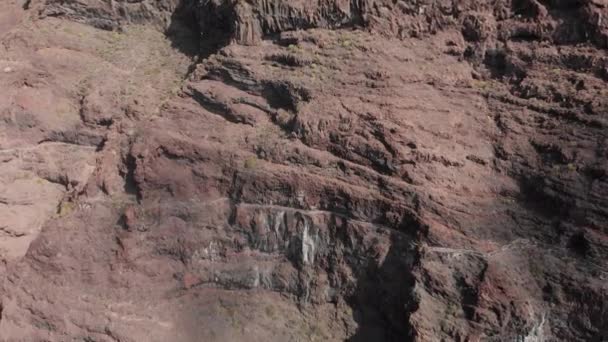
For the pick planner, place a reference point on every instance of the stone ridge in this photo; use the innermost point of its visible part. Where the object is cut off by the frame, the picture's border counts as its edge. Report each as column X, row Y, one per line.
column 303, row 170
column 248, row 21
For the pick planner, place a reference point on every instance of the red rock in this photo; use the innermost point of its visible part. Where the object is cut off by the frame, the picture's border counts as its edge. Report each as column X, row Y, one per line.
column 327, row 170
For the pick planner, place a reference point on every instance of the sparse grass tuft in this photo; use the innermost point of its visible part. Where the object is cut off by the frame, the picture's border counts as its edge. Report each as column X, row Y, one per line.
column 555, row 71
column 271, row 311
column 282, row 117
column 346, row 43
column 251, row 163
column 481, row 85
column 65, row 208
column 293, row 48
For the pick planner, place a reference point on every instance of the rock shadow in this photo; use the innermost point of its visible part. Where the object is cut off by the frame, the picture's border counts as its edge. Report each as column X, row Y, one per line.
column 187, row 34
column 384, row 300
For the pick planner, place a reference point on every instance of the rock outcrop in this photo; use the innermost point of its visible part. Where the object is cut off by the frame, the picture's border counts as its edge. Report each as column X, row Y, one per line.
column 304, row 170
column 248, row 22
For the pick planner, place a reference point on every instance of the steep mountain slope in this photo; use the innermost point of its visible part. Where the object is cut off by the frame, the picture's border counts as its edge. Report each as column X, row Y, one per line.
column 292, row 171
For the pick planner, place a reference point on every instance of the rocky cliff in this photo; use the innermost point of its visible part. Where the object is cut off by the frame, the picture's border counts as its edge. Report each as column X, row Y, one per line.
column 304, row 170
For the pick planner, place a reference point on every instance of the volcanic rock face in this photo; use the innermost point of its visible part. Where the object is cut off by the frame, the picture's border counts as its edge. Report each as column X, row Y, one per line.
column 304, row 170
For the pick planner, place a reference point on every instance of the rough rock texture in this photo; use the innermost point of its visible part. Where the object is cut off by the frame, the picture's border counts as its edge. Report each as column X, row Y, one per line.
column 304, row 170
column 109, row 15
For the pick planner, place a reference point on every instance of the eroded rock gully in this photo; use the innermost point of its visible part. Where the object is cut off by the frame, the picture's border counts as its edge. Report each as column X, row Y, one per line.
column 294, row 171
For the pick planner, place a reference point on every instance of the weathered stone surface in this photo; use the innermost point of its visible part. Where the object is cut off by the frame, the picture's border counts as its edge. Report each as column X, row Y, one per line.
column 331, row 170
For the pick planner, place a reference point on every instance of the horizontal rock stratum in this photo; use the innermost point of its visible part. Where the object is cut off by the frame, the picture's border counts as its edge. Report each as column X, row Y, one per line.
column 285, row 170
